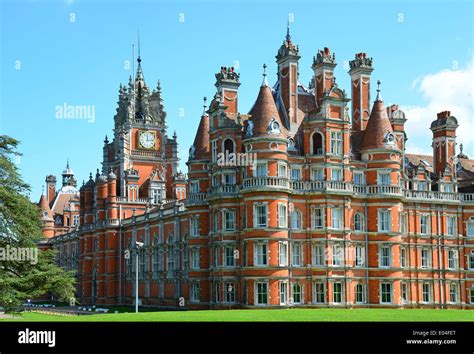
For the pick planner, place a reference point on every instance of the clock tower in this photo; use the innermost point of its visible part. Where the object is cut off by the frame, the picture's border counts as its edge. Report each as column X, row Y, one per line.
column 140, row 144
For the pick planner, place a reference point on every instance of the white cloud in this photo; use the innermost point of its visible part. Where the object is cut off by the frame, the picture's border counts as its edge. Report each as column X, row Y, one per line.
column 446, row 90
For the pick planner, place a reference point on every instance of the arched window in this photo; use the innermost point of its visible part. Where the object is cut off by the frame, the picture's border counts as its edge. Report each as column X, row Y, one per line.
column 296, row 219
column 229, row 146
column 359, row 293
column 358, row 222
column 317, row 141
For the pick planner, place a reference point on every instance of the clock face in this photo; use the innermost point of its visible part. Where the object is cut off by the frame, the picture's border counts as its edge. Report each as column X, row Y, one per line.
column 147, row 139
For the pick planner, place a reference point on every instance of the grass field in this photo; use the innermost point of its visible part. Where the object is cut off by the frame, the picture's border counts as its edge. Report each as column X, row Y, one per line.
column 325, row 315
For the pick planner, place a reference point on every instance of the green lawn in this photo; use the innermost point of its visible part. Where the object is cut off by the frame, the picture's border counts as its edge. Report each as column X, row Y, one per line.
column 268, row 315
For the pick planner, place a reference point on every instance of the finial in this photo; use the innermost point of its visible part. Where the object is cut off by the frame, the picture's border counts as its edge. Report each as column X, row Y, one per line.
column 461, row 147
column 204, row 104
column 139, row 59
column 288, row 37
column 106, row 140
column 90, row 175
column 265, row 81
column 175, row 135
column 67, row 163
column 379, row 97
column 158, row 87
column 42, row 190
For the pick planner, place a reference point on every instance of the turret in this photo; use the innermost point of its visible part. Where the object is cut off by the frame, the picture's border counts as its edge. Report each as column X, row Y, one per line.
column 287, row 60
column 227, row 84
column 50, row 188
column 323, row 67
column 360, row 70
column 47, row 229
column 444, row 143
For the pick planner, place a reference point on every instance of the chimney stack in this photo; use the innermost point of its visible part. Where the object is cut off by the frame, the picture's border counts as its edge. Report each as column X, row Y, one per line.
column 444, row 143
column 360, row 70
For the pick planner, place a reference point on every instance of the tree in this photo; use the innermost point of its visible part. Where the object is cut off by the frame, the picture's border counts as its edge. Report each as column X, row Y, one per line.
column 20, row 229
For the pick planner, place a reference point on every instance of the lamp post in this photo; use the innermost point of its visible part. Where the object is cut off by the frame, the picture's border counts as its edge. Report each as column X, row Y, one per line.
column 138, row 246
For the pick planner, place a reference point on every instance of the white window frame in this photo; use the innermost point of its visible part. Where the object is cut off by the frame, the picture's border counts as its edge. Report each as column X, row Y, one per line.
column 384, row 291
column 297, row 253
column 297, row 289
column 362, row 292
column 282, row 215
column 283, row 253
column 336, row 176
column 257, row 293
column 215, row 150
column 450, row 225
column 261, row 167
column 470, row 227
column 361, row 226
column 425, row 220
column 430, row 293
column 337, row 255
column 317, row 217
column 229, row 220
column 195, row 291
column 295, row 173
column 404, row 299
column 193, row 187
column 336, row 143
column 456, row 293
column 195, row 257
column 261, row 256
column 229, row 255
column 425, row 257
column 360, row 175
column 283, row 292
column 383, row 178
column 453, row 259
column 403, row 257
column 317, row 293
column 319, row 255
column 337, row 219
column 341, row 292
column 384, row 220
column 359, row 256
column 282, row 170
column 383, row 257
column 257, row 217
column 317, row 172
column 194, row 226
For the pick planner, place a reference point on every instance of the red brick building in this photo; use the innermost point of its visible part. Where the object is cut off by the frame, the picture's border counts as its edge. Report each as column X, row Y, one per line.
column 300, row 202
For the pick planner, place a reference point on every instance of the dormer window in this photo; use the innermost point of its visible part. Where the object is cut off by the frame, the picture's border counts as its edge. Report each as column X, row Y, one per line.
column 274, row 127
column 389, row 139
column 291, row 143
column 249, row 128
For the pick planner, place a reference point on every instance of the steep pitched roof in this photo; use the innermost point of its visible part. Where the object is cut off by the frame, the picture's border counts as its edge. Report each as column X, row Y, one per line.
column 377, row 128
column 264, row 111
column 201, row 141
column 43, row 204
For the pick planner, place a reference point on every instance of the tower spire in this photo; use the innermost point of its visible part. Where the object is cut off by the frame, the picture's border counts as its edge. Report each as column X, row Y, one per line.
column 288, row 37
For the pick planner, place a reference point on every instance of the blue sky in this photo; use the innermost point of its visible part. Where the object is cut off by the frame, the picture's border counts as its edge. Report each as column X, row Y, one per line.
column 48, row 60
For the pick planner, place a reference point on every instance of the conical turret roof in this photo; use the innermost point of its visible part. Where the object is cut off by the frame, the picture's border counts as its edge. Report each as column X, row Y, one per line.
column 201, row 141
column 378, row 127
